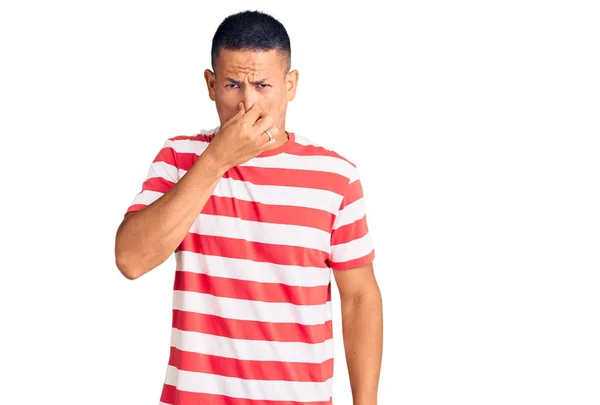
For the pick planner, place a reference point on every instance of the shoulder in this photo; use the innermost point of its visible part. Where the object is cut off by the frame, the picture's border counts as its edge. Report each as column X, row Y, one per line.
column 195, row 143
column 181, row 151
column 332, row 160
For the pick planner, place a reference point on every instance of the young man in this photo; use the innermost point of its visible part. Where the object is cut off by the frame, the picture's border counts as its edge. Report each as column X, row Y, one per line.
column 257, row 217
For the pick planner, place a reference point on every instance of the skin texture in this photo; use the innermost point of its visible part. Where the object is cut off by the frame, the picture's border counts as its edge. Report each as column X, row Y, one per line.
column 362, row 328
column 256, row 78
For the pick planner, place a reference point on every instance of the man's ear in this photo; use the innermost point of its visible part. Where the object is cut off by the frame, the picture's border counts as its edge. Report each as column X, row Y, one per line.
column 291, row 82
column 211, row 81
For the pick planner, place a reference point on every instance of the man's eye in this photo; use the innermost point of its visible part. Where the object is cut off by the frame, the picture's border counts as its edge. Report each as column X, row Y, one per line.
column 263, row 85
column 230, row 85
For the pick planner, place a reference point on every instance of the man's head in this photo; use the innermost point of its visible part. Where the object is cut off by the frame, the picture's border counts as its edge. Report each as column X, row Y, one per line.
column 251, row 59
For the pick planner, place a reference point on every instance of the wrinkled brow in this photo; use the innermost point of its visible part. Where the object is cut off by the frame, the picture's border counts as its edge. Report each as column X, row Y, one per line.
column 261, row 81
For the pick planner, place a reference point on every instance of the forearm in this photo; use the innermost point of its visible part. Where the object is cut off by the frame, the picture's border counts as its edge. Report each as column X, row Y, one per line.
column 362, row 323
column 148, row 238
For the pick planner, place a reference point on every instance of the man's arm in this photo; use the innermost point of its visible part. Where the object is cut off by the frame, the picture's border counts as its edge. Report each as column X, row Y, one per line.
column 362, row 323
column 146, row 238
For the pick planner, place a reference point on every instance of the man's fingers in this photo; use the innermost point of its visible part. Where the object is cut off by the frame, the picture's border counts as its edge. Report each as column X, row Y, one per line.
column 253, row 114
column 264, row 123
column 267, row 124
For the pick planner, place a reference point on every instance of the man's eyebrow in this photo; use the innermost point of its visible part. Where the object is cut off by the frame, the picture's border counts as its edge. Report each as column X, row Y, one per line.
column 261, row 81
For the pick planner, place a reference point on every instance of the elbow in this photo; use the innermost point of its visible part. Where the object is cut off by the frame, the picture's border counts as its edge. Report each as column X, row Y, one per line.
column 125, row 267
column 124, row 262
column 123, row 257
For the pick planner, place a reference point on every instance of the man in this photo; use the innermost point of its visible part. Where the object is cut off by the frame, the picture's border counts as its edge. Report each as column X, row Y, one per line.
column 257, row 217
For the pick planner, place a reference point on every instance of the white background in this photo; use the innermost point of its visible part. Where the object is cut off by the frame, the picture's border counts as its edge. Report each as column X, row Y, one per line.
column 474, row 124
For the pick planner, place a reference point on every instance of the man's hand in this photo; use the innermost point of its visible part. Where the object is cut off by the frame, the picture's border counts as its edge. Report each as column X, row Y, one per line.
column 242, row 138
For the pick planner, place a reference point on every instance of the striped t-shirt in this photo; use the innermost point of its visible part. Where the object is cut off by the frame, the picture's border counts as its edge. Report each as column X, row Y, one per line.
column 251, row 322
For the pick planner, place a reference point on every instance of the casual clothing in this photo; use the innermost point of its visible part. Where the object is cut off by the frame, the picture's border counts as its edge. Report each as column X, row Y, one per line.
column 252, row 291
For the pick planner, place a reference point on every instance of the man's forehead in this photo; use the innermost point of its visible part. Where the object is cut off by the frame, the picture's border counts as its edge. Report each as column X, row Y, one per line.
column 243, row 62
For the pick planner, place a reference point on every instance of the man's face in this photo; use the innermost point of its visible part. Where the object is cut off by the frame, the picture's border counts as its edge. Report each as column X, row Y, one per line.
column 254, row 77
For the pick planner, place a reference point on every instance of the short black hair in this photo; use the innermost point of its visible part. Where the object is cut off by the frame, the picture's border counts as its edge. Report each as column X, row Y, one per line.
column 251, row 30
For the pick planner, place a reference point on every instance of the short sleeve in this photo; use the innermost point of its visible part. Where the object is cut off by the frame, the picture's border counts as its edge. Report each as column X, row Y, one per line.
column 162, row 175
column 351, row 243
